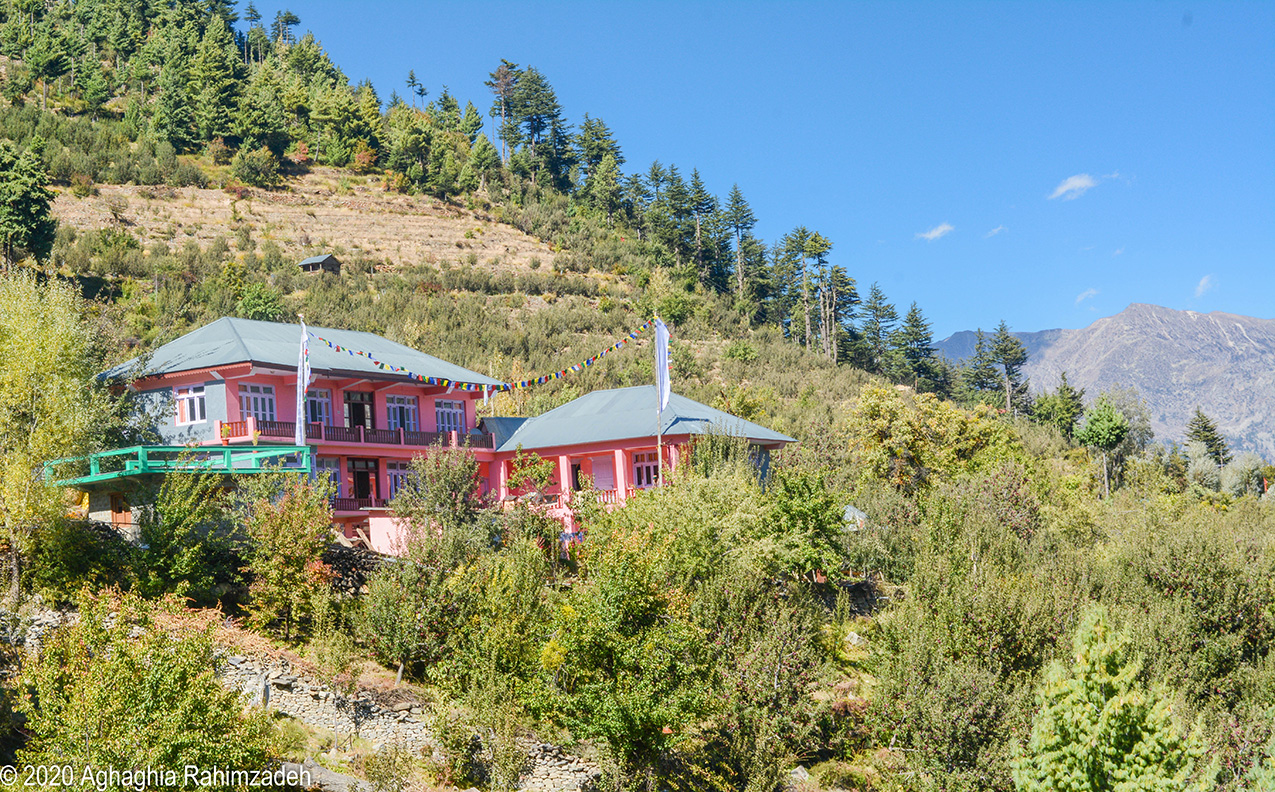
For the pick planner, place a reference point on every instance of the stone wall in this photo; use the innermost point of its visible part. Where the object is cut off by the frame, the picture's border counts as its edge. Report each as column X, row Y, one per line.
column 291, row 692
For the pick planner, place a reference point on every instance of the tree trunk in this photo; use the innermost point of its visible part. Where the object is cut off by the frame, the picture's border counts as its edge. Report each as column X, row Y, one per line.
column 1008, row 392
column 805, row 301
column 398, row 680
column 739, row 263
column 1106, row 477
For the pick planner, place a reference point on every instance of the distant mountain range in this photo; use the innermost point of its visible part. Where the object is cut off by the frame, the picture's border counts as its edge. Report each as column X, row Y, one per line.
column 1222, row 362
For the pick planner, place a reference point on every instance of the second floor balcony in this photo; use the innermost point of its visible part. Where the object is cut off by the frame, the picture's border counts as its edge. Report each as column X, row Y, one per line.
column 252, row 430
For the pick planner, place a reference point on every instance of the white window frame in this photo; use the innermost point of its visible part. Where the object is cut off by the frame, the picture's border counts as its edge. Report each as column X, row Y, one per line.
column 322, row 399
column 256, row 401
column 330, row 467
column 449, row 415
column 192, row 405
column 646, row 469
column 396, row 473
column 402, row 412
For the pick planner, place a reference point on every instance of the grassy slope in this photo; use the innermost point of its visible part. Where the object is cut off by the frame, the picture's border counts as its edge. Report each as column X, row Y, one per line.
column 447, row 278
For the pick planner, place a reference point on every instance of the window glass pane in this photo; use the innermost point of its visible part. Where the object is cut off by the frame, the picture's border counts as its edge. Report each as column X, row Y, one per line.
column 397, row 473
column 256, row 401
column 402, row 412
column 319, row 407
column 449, row 415
column 191, row 405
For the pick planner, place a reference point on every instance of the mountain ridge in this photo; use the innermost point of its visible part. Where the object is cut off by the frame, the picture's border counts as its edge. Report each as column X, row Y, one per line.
column 1176, row 359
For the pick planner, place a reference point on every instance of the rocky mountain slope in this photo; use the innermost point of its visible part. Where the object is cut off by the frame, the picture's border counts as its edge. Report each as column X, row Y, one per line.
column 1222, row 362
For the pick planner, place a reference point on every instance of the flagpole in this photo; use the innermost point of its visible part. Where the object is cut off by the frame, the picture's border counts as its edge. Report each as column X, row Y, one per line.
column 303, row 383
column 661, row 383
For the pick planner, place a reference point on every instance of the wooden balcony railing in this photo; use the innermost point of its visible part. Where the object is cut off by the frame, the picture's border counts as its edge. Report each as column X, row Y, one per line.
column 239, row 431
column 341, row 434
column 426, row 438
column 383, row 436
column 358, row 504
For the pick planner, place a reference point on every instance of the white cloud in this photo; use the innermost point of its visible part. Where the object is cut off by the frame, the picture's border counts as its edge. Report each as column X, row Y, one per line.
column 1073, row 187
column 941, row 230
column 1085, row 295
column 1118, row 251
column 1205, row 284
column 995, row 231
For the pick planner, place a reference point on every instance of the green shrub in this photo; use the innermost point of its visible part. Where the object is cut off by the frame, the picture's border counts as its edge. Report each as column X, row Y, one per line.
column 739, row 349
column 132, row 685
column 257, row 167
column 70, row 555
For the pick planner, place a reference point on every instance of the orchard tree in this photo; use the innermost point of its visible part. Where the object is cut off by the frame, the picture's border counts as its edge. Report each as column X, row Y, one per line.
column 1105, row 428
column 1097, row 729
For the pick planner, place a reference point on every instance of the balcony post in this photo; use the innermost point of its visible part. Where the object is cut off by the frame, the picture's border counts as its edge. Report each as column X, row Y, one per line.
column 252, row 425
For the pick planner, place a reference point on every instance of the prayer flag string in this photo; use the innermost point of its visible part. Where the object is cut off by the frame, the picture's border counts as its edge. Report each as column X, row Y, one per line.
column 478, row 386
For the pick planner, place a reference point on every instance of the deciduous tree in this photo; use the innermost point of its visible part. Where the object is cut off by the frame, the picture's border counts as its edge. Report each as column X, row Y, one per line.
column 50, row 406
column 1105, row 428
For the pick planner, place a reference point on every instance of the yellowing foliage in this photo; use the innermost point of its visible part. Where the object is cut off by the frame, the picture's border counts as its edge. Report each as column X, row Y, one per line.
column 914, row 440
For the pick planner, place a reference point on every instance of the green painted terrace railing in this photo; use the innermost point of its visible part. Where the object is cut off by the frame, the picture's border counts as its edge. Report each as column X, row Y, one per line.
column 143, row 460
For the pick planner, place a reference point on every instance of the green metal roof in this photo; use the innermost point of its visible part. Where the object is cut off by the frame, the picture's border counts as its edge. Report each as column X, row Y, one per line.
column 628, row 414
column 229, row 340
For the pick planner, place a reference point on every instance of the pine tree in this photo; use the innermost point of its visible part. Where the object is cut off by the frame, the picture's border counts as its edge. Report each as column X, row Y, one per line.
column 503, row 83
column 915, row 343
column 92, row 84
column 471, row 123
column 1061, row 408
column 1010, row 355
column 593, row 143
column 604, row 186
column 980, row 373
column 1203, row 429
column 174, row 120
column 26, row 225
column 1097, row 730
column 879, row 319
column 217, row 77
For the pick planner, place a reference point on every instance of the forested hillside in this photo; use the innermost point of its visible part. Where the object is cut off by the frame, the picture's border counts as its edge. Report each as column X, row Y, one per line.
column 1021, row 559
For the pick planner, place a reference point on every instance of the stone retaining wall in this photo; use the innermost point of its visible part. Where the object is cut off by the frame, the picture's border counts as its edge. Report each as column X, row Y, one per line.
column 303, row 698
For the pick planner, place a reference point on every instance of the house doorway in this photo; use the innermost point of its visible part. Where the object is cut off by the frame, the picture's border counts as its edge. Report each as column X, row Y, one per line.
column 358, row 410
column 363, row 478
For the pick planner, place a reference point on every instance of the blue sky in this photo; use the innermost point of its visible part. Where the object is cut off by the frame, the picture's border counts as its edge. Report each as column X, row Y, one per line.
column 1044, row 163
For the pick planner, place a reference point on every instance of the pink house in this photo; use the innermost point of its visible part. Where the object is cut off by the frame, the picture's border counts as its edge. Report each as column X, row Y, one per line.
column 233, row 382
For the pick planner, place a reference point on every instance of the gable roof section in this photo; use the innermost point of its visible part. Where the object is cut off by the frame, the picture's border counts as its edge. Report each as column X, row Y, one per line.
column 317, row 259
column 229, row 340
column 629, row 414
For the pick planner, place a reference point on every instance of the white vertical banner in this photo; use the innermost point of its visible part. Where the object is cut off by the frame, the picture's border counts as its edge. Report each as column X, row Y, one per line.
column 304, row 378
column 662, row 386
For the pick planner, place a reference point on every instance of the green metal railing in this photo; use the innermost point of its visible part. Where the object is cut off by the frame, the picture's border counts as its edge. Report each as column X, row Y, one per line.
column 150, row 460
